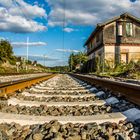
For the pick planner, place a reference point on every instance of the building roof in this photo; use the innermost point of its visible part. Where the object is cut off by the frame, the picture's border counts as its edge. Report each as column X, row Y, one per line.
column 101, row 25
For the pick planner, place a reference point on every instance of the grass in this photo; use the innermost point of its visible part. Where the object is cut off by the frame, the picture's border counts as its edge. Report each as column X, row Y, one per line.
column 130, row 71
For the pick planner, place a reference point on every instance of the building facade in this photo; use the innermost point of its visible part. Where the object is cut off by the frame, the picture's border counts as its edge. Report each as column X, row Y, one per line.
column 114, row 41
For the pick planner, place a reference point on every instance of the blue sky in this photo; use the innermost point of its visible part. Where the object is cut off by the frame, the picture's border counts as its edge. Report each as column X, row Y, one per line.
column 42, row 20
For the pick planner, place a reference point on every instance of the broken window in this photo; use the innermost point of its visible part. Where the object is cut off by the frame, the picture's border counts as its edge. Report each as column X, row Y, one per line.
column 129, row 29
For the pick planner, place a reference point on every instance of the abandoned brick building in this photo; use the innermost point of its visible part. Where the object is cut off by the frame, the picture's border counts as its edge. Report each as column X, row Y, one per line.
column 114, row 41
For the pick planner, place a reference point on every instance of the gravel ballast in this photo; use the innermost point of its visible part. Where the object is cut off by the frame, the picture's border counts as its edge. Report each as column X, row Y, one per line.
column 55, row 111
column 57, row 131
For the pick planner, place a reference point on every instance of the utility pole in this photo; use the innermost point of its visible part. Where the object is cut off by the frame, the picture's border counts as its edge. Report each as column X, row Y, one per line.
column 71, row 63
column 45, row 56
column 27, row 53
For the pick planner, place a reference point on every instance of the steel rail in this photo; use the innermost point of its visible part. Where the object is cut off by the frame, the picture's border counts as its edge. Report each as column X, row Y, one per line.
column 15, row 74
column 14, row 81
column 130, row 91
column 8, row 88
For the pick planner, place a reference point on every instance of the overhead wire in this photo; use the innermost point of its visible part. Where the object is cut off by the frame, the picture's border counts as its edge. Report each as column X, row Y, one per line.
column 63, row 22
column 63, row 29
column 17, row 4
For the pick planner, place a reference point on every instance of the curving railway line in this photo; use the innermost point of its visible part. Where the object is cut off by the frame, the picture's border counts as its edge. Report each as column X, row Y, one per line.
column 69, row 107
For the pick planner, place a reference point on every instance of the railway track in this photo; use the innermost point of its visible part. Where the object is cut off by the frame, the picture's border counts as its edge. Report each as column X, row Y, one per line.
column 11, row 77
column 130, row 91
column 8, row 88
column 127, row 80
column 64, row 107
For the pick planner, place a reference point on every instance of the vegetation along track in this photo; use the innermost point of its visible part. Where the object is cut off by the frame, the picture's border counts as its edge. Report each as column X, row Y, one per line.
column 66, row 108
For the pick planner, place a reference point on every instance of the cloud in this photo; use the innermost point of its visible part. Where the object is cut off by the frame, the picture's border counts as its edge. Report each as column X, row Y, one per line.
column 23, row 44
column 19, row 17
column 89, row 12
column 61, row 63
column 67, row 50
column 39, row 57
column 19, row 7
column 6, row 3
column 23, row 8
column 68, row 30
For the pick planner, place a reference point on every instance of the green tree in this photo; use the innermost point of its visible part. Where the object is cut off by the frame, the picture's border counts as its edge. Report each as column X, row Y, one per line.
column 79, row 58
column 6, row 52
column 71, row 61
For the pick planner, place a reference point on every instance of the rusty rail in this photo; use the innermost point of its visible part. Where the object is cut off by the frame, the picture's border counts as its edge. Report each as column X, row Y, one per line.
column 23, row 73
column 130, row 91
column 8, row 88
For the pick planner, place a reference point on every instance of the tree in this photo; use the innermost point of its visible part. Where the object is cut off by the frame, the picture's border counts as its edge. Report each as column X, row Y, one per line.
column 6, row 52
column 71, row 61
column 75, row 59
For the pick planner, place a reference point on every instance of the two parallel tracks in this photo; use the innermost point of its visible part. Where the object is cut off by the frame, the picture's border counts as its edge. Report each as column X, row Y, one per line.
column 63, row 108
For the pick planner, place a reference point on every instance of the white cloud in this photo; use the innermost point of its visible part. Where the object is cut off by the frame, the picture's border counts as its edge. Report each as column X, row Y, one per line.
column 6, row 3
column 19, row 7
column 68, row 30
column 30, row 11
column 67, row 50
column 89, row 12
column 39, row 57
column 18, row 16
column 22, row 44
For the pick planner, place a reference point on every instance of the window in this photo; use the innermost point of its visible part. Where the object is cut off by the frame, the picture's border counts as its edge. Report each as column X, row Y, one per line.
column 92, row 43
column 98, row 37
column 88, row 47
column 129, row 29
column 120, row 33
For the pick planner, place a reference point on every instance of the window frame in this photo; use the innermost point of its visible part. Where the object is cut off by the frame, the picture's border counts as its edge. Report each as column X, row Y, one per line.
column 129, row 29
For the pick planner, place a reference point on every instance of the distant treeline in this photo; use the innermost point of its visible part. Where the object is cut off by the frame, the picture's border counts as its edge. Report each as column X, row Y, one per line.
column 58, row 69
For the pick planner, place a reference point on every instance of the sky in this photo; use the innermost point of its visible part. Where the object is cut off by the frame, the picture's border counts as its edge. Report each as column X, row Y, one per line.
column 52, row 33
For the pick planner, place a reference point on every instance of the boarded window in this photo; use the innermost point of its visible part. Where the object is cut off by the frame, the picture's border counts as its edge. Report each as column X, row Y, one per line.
column 129, row 29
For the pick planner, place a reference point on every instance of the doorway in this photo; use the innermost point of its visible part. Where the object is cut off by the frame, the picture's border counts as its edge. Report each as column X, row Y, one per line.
column 124, row 58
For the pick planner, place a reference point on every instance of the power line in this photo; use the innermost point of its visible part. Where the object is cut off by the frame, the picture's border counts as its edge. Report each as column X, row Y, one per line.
column 21, row 10
column 63, row 28
column 18, row 5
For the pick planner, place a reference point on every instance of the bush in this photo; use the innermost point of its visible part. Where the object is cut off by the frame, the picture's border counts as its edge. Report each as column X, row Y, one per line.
column 2, row 70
